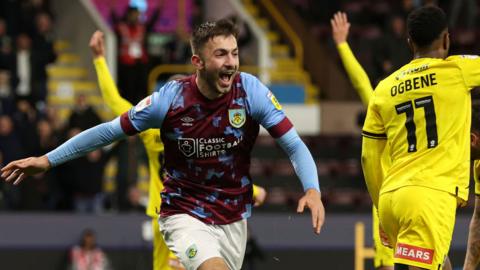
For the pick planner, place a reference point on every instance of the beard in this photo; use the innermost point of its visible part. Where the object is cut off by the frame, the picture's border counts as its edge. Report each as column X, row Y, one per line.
column 212, row 78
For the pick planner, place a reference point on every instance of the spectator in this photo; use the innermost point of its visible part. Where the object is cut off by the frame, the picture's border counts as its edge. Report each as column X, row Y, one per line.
column 47, row 137
column 25, row 118
column 87, row 256
column 6, row 97
column 85, row 174
column 393, row 51
column 44, row 54
column 30, row 74
column 86, row 180
column 23, row 66
column 48, row 140
column 29, row 10
column 83, row 116
column 133, row 58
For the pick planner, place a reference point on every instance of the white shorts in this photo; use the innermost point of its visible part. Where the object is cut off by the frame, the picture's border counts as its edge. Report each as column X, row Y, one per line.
column 193, row 241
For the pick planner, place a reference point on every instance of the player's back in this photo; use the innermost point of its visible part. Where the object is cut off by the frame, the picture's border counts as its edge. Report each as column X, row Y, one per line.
column 424, row 109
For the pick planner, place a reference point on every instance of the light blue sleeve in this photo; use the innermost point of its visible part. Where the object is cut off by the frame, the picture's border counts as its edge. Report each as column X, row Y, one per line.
column 263, row 105
column 151, row 111
column 301, row 159
column 87, row 141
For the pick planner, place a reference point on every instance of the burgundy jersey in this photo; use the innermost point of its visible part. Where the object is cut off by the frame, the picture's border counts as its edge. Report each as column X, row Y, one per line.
column 208, row 144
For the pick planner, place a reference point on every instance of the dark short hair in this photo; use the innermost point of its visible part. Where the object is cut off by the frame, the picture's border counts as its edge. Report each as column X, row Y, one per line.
column 208, row 30
column 425, row 25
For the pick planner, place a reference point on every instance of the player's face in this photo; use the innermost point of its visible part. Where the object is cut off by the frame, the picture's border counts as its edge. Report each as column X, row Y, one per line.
column 220, row 63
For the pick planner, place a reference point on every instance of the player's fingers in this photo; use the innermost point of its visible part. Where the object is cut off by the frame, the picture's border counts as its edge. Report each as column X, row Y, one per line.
column 19, row 179
column 335, row 25
column 314, row 211
column 335, row 17
column 5, row 174
column 339, row 18
column 97, row 35
column 301, row 206
column 96, row 38
column 344, row 18
column 9, row 166
column 318, row 228
column 321, row 219
column 12, row 175
column 92, row 41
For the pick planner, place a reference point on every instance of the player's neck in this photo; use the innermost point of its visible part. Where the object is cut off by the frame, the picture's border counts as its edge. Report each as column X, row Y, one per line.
column 205, row 89
column 428, row 54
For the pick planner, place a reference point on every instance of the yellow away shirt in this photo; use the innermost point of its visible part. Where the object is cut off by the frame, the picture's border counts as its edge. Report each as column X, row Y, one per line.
column 423, row 110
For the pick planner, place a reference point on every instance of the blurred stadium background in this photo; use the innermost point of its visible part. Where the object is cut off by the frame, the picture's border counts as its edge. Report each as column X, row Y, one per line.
column 49, row 92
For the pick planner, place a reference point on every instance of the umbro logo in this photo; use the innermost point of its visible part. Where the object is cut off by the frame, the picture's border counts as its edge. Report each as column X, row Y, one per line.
column 187, row 121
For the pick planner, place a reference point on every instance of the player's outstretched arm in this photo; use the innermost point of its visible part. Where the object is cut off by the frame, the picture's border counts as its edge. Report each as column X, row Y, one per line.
column 372, row 150
column 75, row 147
column 472, row 257
column 357, row 75
column 109, row 90
column 306, row 170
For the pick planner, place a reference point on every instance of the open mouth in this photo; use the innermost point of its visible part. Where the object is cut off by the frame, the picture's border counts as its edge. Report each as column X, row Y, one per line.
column 226, row 77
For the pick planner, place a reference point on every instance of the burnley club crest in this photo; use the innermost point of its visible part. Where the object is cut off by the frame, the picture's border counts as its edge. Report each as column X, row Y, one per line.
column 237, row 117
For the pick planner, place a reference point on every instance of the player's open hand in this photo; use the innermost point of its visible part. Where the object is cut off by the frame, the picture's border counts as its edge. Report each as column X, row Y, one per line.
column 312, row 200
column 340, row 27
column 17, row 170
column 97, row 44
column 260, row 196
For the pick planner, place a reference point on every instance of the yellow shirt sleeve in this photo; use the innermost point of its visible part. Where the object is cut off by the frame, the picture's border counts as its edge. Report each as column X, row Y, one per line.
column 470, row 66
column 255, row 191
column 373, row 127
column 372, row 150
column 356, row 73
column 109, row 90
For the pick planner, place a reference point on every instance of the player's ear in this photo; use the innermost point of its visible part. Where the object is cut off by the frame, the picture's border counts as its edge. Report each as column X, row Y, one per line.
column 197, row 62
column 446, row 40
column 474, row 139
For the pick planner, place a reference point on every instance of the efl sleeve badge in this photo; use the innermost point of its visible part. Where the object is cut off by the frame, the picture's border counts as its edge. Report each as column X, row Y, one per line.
column 274, row 100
